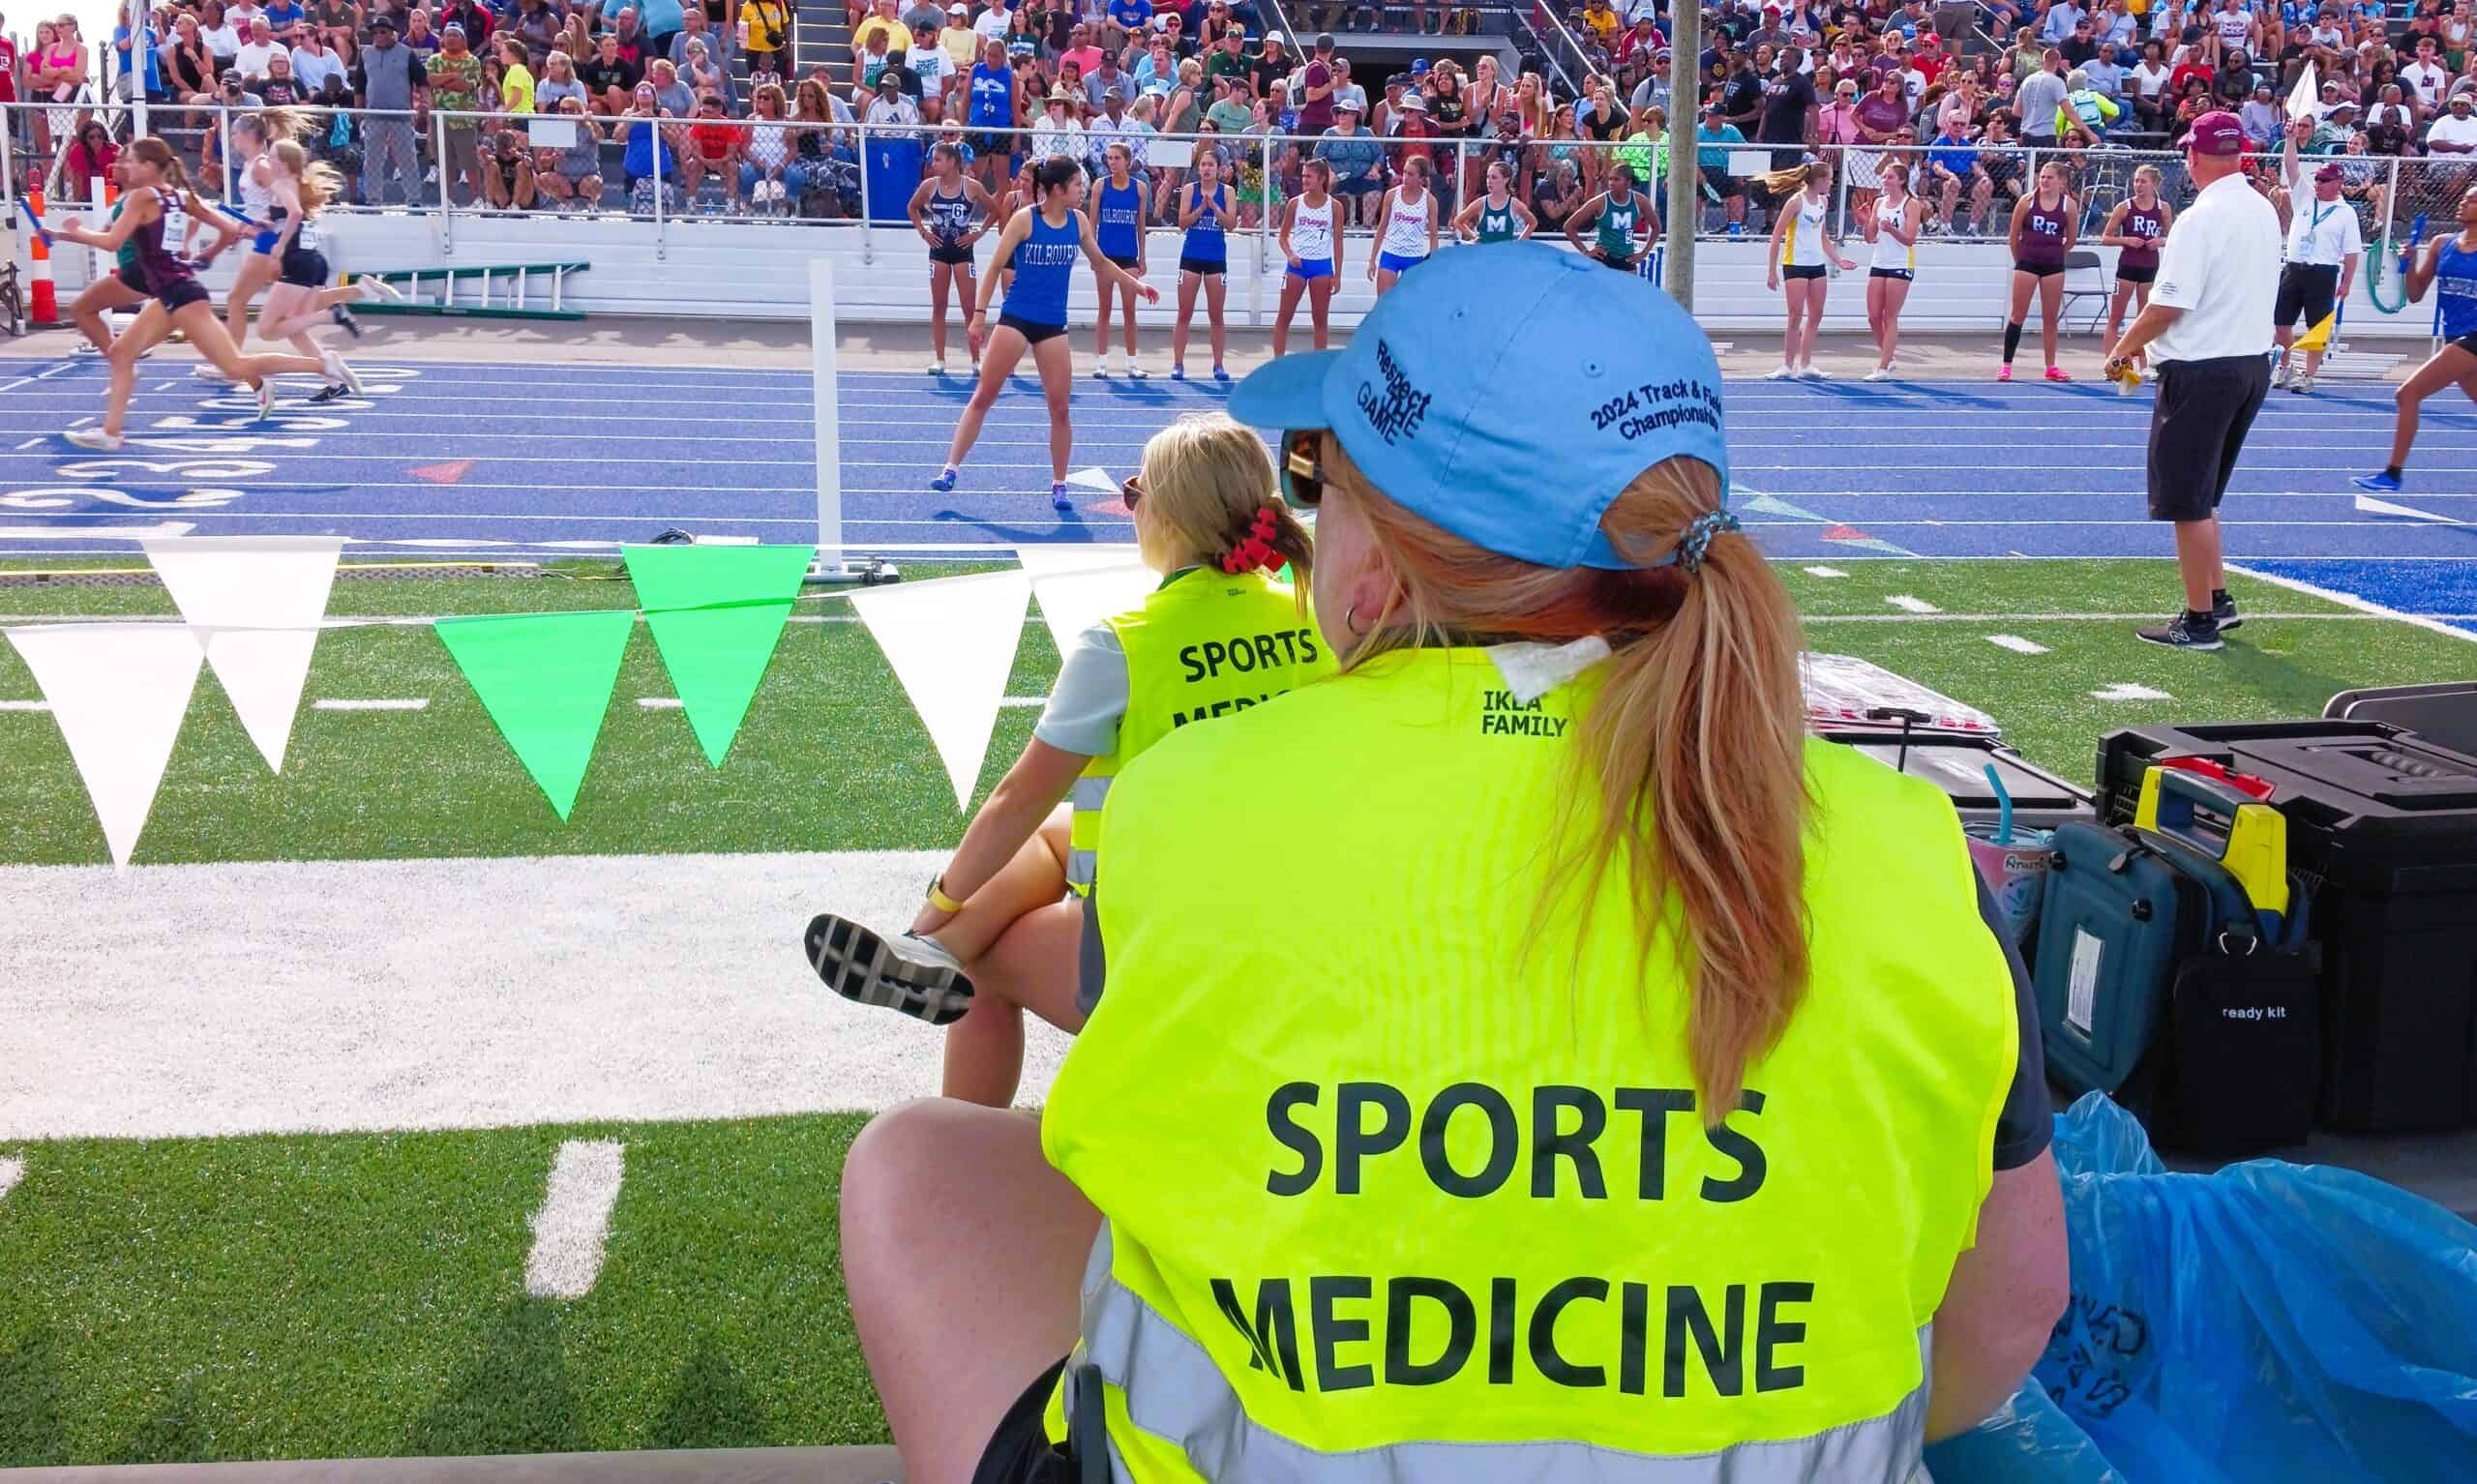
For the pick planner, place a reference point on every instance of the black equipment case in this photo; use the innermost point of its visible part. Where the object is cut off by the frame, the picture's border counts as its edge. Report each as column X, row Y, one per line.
column 2382, row 827
column 2445, row 714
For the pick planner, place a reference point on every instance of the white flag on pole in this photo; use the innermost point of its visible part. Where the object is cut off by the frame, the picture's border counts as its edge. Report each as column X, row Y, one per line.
column 118, row 692
column 2303, row 98
column 951, row 643
column 255, row 604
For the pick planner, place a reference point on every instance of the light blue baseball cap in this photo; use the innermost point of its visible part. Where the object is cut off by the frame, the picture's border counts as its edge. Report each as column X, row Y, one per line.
column 1510, row 394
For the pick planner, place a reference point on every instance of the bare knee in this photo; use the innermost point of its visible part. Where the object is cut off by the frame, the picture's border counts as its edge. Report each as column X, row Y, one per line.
column 885, row 1182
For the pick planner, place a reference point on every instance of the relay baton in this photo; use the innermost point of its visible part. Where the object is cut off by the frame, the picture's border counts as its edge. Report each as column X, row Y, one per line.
column 35, row 221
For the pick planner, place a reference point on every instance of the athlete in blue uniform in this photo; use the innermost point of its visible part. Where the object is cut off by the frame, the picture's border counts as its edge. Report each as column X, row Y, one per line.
column 1208, row 207
column 1120, row 208
column 1041, row 245
column 2449, row 266
column 950, row 211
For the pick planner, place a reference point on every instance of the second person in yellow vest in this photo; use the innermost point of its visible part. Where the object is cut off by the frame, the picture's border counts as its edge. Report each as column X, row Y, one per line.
column 1001, row 929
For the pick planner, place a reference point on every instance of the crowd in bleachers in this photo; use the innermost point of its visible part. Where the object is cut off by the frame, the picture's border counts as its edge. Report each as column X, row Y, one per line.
column 602, row 103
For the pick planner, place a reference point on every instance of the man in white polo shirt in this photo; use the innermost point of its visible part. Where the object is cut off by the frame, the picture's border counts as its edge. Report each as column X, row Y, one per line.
column 2208, row 328
column 2324, row 244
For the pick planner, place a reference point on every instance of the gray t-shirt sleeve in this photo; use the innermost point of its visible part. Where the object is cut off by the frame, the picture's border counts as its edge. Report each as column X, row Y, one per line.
column 1089, row 698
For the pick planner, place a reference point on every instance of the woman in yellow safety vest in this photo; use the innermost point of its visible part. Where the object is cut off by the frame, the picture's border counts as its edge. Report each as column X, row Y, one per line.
column 1003, row 928
column 1525, row 1055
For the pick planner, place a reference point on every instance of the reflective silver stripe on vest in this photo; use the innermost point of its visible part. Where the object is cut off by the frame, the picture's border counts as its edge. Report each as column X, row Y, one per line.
column 1175, row 1391
column 1086, row 798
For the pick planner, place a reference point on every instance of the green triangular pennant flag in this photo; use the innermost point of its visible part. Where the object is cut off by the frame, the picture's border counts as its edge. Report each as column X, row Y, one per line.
column 716, row 612
column 546, row 679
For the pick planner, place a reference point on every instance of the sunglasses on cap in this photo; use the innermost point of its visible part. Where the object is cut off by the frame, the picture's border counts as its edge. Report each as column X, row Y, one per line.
column 1302, row 469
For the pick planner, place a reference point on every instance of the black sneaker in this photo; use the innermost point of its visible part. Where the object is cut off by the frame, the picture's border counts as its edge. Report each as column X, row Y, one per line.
column 2222, row 611
column 343, row 320
column 2185, row 630
column 915, row 975
column 331, row 393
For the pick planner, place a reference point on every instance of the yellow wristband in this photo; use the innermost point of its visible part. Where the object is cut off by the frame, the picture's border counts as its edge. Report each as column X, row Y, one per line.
column 938, row 899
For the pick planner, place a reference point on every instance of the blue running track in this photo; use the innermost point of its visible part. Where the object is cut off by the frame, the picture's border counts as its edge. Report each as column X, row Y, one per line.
column 535, row 461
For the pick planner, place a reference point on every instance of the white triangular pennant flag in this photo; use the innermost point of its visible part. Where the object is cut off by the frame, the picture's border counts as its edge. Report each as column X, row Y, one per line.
column 2305, row 95
column 119, row 692
column 239, row 591
column 1075, row 600
column 951, row 643
column 1081, row 557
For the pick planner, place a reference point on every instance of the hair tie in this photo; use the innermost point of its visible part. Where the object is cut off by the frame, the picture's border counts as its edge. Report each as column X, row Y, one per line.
column 1255, row 550
column 1697, row 540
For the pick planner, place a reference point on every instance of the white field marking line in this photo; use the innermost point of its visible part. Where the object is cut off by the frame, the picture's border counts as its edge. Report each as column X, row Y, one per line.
column 1023, row 703
column 1823, row 571
column 26, row 705
column 2016, row 643
column 382, row 703
column 1909, row 605
column 575, row 1220
column 2127, row 691
column 660, row 702
column 12, row 1170
column 2434, row 621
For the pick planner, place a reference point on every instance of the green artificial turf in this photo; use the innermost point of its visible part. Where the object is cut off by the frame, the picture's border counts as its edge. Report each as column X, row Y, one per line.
column 363, row 1295
column 832, row 758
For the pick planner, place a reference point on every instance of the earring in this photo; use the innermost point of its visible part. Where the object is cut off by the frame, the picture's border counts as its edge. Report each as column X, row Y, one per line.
column 1350, row 620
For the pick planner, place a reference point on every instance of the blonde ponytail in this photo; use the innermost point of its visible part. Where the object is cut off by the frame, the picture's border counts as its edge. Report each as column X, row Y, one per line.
column 1692, row 755
column 318, row 180
column 1794, row 179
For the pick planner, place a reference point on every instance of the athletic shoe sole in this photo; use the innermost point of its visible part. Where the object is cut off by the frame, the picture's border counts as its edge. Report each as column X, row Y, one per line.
column 868, row 969
column 2196, row 645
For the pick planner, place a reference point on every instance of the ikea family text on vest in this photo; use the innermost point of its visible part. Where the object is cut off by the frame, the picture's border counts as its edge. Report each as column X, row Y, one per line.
column 1578, row 1332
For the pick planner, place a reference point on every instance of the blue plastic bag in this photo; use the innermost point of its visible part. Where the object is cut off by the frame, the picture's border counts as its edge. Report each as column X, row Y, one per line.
column 2268, row 1322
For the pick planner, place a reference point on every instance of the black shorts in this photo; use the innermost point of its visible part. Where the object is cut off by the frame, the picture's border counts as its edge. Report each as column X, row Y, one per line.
column 1019, row 1452
column 303, row 268
column 1721, row 183
column 950, row 253
column 1805, row 270
column 2467, row 342
column 2310, row 290
column 2137, row 273
column 180, row 293
column 1904, row 275
column 1033, row 331
column 1128, row 263
column 2197, row 426
column 1208, row 266
column 1001, row 145
column 1621, row 264
column 2038, row 270
column 130, row 278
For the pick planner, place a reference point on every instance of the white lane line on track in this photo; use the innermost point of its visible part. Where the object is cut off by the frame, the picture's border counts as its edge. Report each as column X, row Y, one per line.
column 574, row 1224
column 2439, row 623
column 377, row 704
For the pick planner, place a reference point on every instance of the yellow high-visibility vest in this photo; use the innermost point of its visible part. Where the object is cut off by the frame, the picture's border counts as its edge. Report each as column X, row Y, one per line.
column 1204, row 644
column 1404, row 1172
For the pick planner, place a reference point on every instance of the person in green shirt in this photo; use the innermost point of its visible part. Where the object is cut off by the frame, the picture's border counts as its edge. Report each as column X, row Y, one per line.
column 1231, row 112
column 1714, row 138
column 455, row 87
